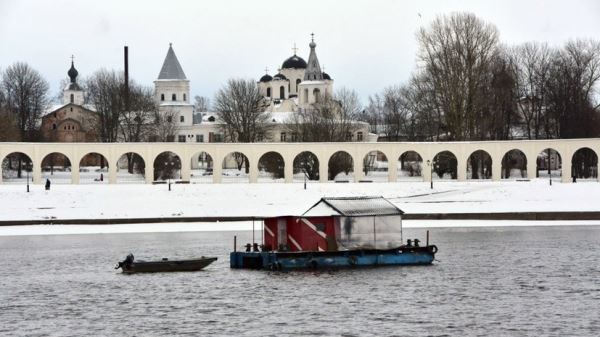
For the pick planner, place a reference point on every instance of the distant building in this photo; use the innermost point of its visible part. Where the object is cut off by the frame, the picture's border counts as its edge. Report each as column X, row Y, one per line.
column 71, row 121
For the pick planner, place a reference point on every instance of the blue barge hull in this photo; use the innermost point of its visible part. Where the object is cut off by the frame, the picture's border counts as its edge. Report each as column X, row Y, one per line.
column 351, row 258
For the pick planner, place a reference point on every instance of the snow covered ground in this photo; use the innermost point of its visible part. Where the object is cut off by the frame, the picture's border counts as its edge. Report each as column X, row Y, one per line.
column 196, row 200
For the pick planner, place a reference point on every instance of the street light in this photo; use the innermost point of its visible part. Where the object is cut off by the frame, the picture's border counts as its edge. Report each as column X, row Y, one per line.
column 27, row 168
column 169, row 172
column 549, row 168
column 430, row 164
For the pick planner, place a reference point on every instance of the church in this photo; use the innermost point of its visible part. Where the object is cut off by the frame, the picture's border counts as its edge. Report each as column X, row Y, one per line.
column 72, row 120
column 298, row 84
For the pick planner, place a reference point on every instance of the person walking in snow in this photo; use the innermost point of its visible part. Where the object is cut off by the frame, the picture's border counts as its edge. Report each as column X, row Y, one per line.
column 47, row 184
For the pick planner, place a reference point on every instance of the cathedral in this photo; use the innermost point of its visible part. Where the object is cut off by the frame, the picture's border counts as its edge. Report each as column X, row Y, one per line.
column 298, row 84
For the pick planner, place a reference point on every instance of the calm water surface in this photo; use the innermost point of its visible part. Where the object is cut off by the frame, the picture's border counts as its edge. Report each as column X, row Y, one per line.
column 534, row 281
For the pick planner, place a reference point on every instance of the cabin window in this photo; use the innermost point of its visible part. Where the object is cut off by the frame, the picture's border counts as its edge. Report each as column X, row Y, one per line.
column 174, row 97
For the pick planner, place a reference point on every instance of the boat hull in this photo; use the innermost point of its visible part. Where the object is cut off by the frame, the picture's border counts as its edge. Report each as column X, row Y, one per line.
column 328, row 260
column 167, row 266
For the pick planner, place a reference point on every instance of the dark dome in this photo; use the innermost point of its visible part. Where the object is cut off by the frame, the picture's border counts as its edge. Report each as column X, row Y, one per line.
column 266, row 78
column 72, row 72
column 294, row 62
column 326, row 76
column 279, row 77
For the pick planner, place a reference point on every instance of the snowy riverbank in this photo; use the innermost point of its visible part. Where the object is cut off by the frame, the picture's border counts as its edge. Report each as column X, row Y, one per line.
column 212, row 200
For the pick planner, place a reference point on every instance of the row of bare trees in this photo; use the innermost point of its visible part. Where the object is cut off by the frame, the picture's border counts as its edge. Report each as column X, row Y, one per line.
column 468, row 86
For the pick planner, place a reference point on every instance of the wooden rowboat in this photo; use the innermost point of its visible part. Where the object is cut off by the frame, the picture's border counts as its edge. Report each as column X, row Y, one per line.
column 129, row 266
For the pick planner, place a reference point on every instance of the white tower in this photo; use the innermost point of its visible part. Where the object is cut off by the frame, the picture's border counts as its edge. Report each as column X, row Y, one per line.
column 315, row 84
column 172, row 90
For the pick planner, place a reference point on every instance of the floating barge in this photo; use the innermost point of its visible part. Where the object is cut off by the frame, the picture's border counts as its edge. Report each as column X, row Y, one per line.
column 335, row 233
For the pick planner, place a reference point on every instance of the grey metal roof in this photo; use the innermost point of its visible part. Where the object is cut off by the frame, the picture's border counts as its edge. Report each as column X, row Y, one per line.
column 358, row 206
column 171, row 69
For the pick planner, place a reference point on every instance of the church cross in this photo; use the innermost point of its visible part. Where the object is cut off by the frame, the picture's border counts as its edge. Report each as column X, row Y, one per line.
column 295, row 49
column 266, row 70
column 312, row 37
column 72, row 58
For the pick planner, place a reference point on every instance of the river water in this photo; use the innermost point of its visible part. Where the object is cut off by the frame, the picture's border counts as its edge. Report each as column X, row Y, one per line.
column 499, row 281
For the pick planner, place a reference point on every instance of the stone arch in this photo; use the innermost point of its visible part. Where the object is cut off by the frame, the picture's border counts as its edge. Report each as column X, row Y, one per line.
column 271, row 167
column 56, row 167
column 445, row 166
column 584, row 164
column 93, row 168
column 236, row 168
column 131, row 168
column 202, row 168
column 340, row 167
column 410, row 166
column 16, row 168
column 375, row 166
column 167, row 166
column 514, row 165
column 548, row 164
column 479, row 165
column 306, row 164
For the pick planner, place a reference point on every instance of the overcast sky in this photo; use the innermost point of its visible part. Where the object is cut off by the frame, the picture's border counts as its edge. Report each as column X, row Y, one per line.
column 364, row 45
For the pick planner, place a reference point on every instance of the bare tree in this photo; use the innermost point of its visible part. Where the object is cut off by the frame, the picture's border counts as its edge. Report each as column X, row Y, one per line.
column 455, row 54
column 331, row 119
column 106, row 91
column 165, row 126
column 138, row 122
column 241, row 108
column 26, row 97
column 201, row 103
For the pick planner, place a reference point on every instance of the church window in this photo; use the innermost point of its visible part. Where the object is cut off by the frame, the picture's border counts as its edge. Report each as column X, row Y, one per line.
column 53, row 126
column 162, row 97
column 359, row 136
column 174, row 97
column 181, row 119
column 297, row 83
column 282, row 92
column 268, row 92
column 184, row 97
column 289, row 87
column 305, row 95
column 71, row 109
column 72, row 98
column 317, row 94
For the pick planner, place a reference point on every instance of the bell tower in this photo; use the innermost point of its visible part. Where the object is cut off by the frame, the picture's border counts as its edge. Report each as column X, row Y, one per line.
column 73, row 92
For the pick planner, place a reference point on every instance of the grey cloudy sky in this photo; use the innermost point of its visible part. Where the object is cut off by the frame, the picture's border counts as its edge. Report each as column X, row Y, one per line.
column 364, row 45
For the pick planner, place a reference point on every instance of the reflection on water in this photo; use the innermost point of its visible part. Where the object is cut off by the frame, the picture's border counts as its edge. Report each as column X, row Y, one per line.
column 530, row 281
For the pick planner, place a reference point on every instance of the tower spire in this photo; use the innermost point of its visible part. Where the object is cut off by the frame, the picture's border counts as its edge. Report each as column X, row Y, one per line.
column 313, row 70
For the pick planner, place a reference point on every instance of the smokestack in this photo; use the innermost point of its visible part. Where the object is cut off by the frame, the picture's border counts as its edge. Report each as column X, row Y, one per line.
column 126, row 55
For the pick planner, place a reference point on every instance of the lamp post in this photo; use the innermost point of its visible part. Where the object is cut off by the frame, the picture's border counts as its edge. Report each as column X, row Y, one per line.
column 549, row 167
column 305, row 175
column 430, row 164
column 167, row 163
column 27, row 168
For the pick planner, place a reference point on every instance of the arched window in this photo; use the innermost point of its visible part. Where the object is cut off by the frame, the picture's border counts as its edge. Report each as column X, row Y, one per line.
column 317, row 95
column 184, row 98
column 54, row 126
column 72, row 98
column 297, row 83
column 268, row 92
column 282, row 92
column 305, row 95
column 174, row 97
column 162, row 97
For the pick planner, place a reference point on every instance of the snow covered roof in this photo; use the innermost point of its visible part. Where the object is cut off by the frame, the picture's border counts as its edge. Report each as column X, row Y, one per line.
column 55, row 107
column 353, row 206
